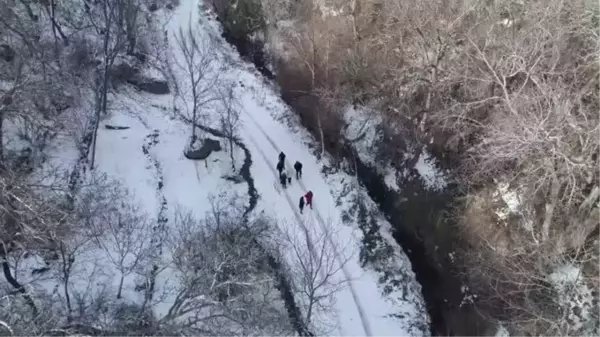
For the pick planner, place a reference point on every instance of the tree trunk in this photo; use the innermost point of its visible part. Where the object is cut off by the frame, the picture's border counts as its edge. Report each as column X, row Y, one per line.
column 231, row 153
column 1, row 138
column 120, row 286
column 550, row 206
column 13, row 282
column 321, row 132
column 131, row 45
column 194, row 106
column 66, row 269
column 102, row 109
column 582, row 236
column 194, row 125
column 428, row 100
column 55, row 26
column 152, row 283
column 68, row 298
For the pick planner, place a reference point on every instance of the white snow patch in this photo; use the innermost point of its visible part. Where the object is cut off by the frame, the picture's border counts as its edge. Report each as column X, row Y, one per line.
column 512, row 205
column 511, row 200
column 431, row 176
column 451, row 256
column 501, row 332
column 574, row 295
column 391, row 180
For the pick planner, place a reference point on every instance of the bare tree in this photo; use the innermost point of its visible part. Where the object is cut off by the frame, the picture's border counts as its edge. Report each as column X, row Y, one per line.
column 124, row 234
column 517, row 289
column 315, row 267
column 198, row 65
column 50, row 7
column 69, row 253
column 310, row 53
column 225, row 287
column 229, row 111
column 131, row 25
column 17, row 318
column 29, row 223
column 541, row 136
column 10, row 97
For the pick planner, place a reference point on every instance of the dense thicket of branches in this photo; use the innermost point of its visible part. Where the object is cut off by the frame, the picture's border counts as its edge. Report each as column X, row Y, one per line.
column 505, row 92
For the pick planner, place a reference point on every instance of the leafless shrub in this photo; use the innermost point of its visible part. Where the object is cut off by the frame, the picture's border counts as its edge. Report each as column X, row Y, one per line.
column 17, row 318
column 509, row 269
column 198, row 66
column 316, row 107
column 315, row 268
column 124, row 233
column 224, row 285
column 541, row 136
column 515, row 290
column 229, row 119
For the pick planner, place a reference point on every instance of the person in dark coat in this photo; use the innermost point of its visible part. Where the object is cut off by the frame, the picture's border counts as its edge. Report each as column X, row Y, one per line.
column 283, row 179
column 301, row 205
column 309, row 197
column 282, row 157
column 298, row 168
column 280, row 167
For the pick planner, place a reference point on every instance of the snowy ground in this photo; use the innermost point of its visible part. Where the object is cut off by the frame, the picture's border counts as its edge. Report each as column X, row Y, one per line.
column 147, row 159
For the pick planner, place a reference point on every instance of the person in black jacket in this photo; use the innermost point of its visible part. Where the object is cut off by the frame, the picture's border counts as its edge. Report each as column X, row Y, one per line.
column 301, row 205
column 280, row 167
column 282, row 157
column 298, row 168
column 283, row 179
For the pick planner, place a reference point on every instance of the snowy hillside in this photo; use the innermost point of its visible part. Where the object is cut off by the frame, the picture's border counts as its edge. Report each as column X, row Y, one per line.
column 141, row 149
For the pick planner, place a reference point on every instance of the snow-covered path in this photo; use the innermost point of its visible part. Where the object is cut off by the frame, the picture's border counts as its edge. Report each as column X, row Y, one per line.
column 361, row 307
column 254, row 129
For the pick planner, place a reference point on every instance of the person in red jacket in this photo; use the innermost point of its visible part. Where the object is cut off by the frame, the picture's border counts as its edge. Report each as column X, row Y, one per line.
column 308, row 196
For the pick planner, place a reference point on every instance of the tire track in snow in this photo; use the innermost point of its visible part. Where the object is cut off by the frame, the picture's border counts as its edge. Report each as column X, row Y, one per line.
column 361, row 312
column 287, row 197
column 299, row 219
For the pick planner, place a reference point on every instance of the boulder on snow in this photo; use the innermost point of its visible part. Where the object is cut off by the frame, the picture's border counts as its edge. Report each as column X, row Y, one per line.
column 115, row 127
column 208, row 146
column 150, row 85
column 236, row 179
column 128, row 70
column 123, row 72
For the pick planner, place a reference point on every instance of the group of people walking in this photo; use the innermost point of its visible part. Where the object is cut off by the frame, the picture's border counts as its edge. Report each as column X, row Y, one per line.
column 285, row 178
